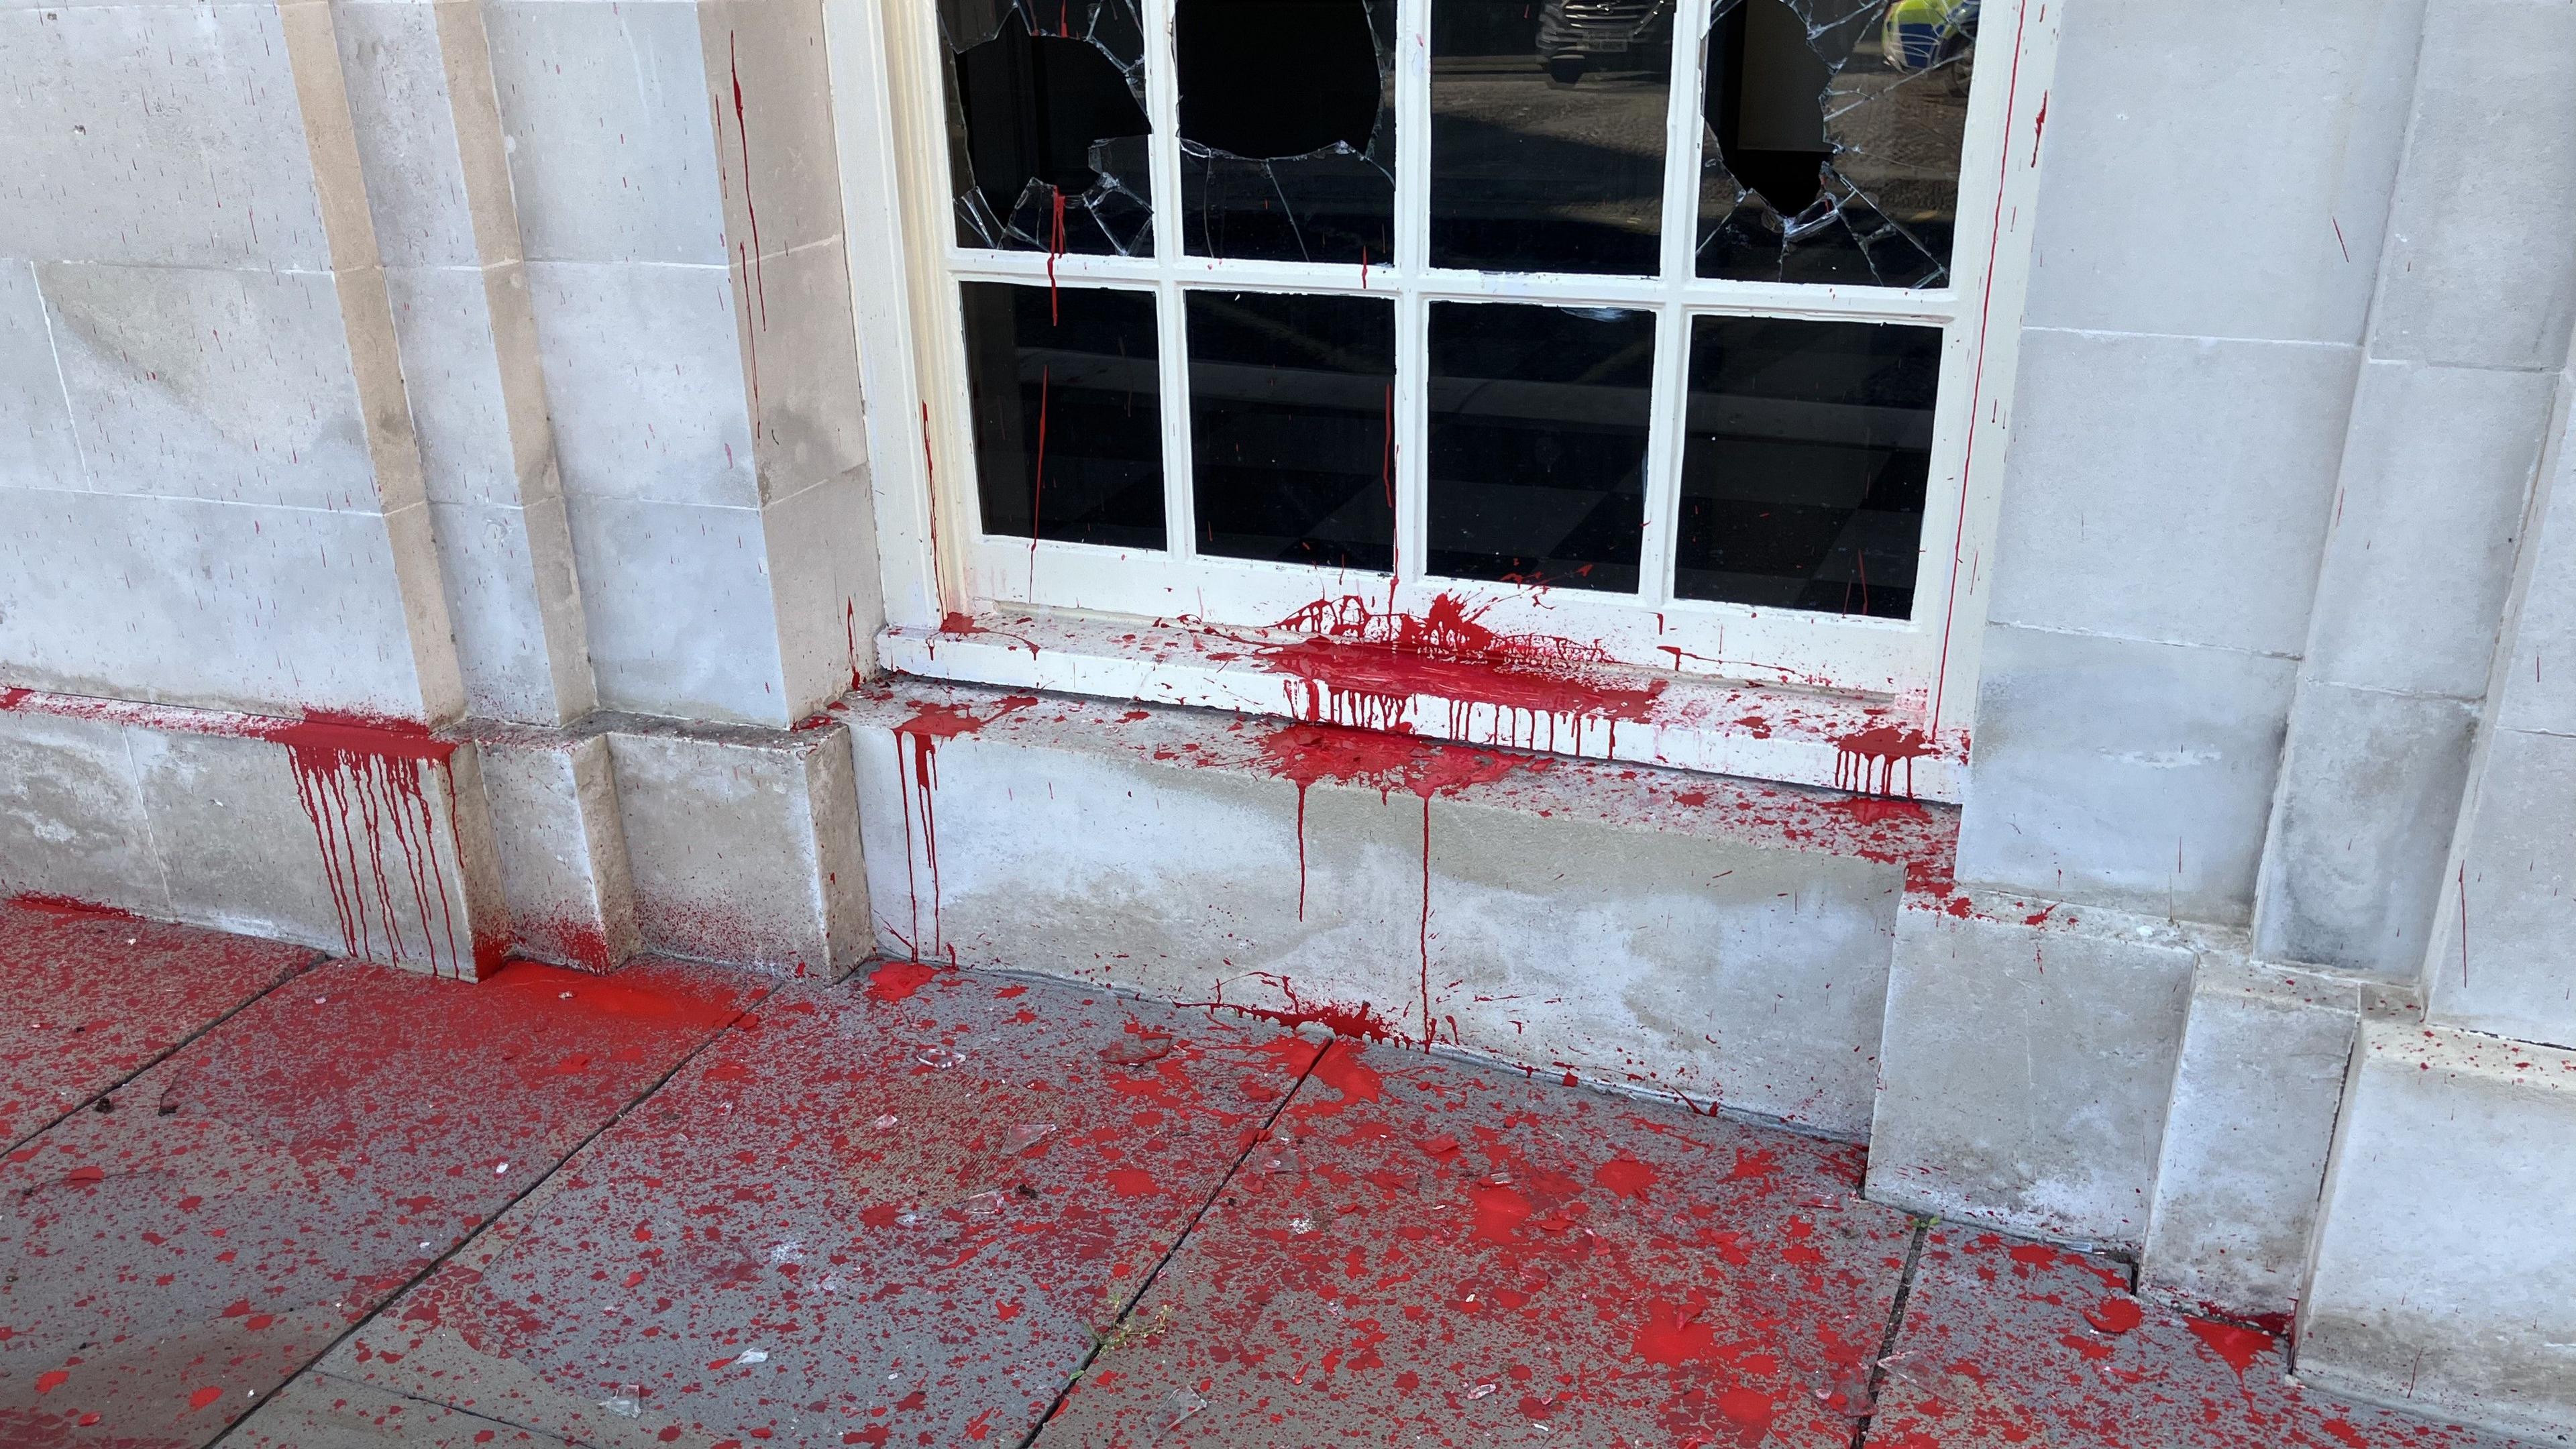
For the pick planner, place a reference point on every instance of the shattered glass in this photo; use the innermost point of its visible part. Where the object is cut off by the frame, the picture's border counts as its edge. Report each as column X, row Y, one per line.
column 1046, row 125
column 1538, row 442
column 1547, row 134
column 1292, row 431
column 1807, row 448
column 1287, row 128
column 1831, row 132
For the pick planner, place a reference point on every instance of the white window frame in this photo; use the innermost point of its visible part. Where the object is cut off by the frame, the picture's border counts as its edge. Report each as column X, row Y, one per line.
column 1768, row 692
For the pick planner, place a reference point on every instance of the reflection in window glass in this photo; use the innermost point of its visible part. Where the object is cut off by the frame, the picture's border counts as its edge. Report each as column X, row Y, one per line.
column 1831, row 136
column 1046, row 125
column 1808, row 446
column 1538, row 443
column 1287, row 121
column 1068, row 437
column 1547, row 134
column 1292, row 415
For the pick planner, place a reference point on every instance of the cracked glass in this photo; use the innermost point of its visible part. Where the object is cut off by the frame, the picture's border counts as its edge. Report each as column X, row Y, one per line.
column 1547, row 134
column 1068, row 421
column 1538, row 443
column 1046, row 125
column 1807, row 448
column 1830, row 139
column 1287, row 128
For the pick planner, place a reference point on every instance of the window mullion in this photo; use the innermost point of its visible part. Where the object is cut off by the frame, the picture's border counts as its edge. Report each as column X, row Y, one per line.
column 1171, row 328
column 1413, row 258
column 1666, row 432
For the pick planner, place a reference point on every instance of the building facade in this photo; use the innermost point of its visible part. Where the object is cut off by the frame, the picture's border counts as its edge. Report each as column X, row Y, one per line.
column 1979, row 582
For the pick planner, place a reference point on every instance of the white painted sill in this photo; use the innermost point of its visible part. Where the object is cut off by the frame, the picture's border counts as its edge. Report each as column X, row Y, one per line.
column 1872, row 744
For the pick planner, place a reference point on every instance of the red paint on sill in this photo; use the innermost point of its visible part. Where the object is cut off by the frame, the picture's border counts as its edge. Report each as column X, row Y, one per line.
column 1865, row 760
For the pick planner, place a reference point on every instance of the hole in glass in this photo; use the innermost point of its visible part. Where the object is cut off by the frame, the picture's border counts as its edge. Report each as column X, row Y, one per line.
column 1547, row 134
column 1287, row 128
column 1292, row 415
column 1047, row 126
column 1068, row 431
column 1831, row 130
column 1808, row 446
column 1538, row 443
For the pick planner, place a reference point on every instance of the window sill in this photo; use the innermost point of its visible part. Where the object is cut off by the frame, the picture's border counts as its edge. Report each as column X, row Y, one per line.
column 1590, row 711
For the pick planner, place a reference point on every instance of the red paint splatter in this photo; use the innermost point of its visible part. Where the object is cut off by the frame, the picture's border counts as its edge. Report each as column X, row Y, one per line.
column 1866, row 760
column 1341, row 1069
column 1131, row 1182
column 2038, row 127
column 51, row 1380
column 898, row 980
column 1625, row 1176
column 919, row 737
column 1364, row 666
column 2239, row 1346
column 2115, row 1315
column 359, row 781
column 1673, row 1335
column 1500, row 1210
column 203, row 1397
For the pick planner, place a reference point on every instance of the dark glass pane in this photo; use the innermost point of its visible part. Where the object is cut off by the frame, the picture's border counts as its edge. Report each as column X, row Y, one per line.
column 1808, row 447
column 1292, row 414
column 1287, row 128
column 1547, row 134
column 1068, row 439
column 1046, row 125
column 1831, row 139
column 1538, row 442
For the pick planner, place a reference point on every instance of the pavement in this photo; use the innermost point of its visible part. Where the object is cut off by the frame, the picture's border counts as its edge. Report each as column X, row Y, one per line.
column 259, row 1197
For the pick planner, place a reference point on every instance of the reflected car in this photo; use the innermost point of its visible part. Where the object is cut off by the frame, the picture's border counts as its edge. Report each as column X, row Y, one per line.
column 1576, row 35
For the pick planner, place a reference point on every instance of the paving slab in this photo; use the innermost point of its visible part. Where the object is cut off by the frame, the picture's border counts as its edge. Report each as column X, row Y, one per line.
column 88, row 997
column 1429, row 1252
column 893, row 1214
column 2014, row 1343
column 266, row 1187
column 318, row 1411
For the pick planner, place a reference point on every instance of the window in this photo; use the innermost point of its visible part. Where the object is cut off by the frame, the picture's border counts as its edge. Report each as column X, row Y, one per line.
column 1647, row 335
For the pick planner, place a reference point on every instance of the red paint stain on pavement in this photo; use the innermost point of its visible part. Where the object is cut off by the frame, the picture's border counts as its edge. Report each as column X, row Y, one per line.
column 2239, row 1346
column 898, row 980
column 1673, row 1335
column 1131, row 1182
column 2115, row 1315
column 1341, row 1069
column 203, row 1397
column 1625, row 1176
column 1500, row 1210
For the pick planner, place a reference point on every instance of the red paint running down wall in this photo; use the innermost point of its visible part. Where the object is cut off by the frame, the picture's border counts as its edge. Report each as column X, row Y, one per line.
column 360, row 783
column 1363, row 667
column 1866, row 760
column 1307, row 753
column 916, row 775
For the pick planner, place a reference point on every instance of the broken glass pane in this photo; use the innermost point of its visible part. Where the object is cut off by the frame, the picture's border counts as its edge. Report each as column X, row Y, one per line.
column 1830, row 139
column 1046, row 125
column 1538, row 442
column 1292, row 427
column 1547, row 134
column 1287, row 121
column 1068, row 433
column 1807, row 448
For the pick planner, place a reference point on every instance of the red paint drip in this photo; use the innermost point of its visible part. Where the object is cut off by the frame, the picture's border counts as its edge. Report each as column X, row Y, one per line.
column 920, row 737
column 359, row 781
column 1037, row 482
column 1055, row 249
column 751, row 212
column 1363, row 667
column 2239, row 1346
column 1866, row 760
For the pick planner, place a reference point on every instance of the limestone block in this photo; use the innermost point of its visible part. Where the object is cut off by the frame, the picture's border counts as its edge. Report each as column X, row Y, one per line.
column 405, row 118
column 770, row 53
column 562, row 849
column 2448, row 1233
column 2123, row 773
column 744, row 844
column 645, row 377
column 682, row 618
column 605, row 104
column 2247, row 1131
column 155, row 135
column 2534, row 695
column 2151, row 475
column 71, row 819
column 2500, row 960
column 2303, row 105
column 800, row 346
column 2477, row 274
column 214, row 604
column 2353, row 861
column 823, row 568
column 38, row 448
column 2436, row 472
column 2028, row 1060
